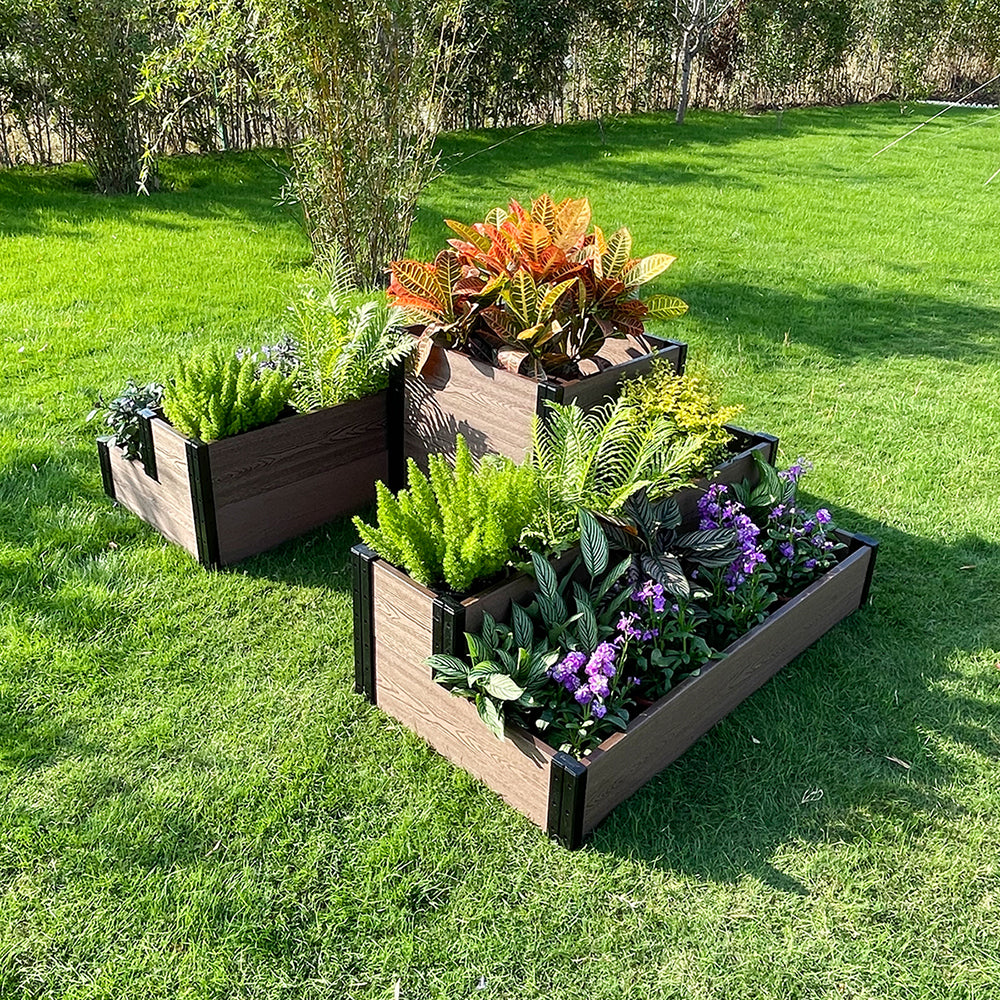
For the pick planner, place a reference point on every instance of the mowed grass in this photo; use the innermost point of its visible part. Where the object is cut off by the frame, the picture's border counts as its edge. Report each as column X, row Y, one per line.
column 195, row 804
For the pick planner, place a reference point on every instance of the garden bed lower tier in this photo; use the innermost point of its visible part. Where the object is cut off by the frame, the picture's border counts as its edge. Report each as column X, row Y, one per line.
column 493, row 409
column 399, row 623
column 230, row 499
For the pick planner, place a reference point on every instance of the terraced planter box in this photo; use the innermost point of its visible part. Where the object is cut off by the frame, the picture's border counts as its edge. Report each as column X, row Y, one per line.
column 230, row 499
column 494, row 408
column 399, row 623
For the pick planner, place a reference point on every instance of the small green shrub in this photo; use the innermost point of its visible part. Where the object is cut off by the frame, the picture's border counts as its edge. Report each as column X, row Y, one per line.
column 215, row 396
column 458, row 525
column 344, row 348
column 688, row 402
column 122, row 414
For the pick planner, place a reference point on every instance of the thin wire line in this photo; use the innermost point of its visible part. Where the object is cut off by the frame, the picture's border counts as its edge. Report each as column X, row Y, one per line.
column 938, row 115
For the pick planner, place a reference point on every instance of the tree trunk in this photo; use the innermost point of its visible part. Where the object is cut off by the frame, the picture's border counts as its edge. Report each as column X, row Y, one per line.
column 688, row 47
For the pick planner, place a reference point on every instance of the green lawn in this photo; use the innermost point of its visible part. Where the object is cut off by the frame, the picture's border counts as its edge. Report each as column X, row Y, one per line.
column 195, row 804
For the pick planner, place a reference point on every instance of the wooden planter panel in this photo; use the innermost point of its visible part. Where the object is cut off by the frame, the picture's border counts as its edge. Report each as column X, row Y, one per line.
column 659, row 735
column 165, row 502
column 398, row 624
column 230, row 499
column 403, row 618
column 493, row 408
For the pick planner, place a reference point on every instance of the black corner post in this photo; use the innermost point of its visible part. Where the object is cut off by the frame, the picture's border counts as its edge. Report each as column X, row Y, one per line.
column 147, row 454
column 104, row 456
column 447, row 626
column 203, row 503
column 395, row 423
column 362, row 560
column 871, row 543
column 547, row 392
column 567, row 797
column 772, row 446
column 682, row 354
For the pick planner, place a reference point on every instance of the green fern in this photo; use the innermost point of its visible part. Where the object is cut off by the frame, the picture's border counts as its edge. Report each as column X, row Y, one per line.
column 345, row 348
column 598, row 459
column 214, row 396
column 456, row 525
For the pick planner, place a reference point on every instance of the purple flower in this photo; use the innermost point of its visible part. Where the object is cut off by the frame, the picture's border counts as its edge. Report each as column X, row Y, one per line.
column 584, row 695
column 787, row 550
column 571, row 683
column 568, row 666
column 602, row 661
column 796, row 470
column 599, row 685
column 823, row 516
column 809, row 564
column 598, row 711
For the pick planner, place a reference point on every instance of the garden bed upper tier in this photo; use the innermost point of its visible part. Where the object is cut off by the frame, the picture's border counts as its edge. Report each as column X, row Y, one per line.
column 493, row 408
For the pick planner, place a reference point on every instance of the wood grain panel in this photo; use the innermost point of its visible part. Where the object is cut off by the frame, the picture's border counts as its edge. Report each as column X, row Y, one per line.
column 491, row 408
column 517, row 768
column 297, row 449
column 266, row 519
column 164, row 503
column 657, row 737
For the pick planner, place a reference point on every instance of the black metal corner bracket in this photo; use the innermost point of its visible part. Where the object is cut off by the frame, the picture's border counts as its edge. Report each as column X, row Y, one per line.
column 362, row 561
column 206, row 530
column 682, row 354
column 447, row 626
column 147, row 454
column 772, row 446
column 567, row 798
column 395, row 425
column 871, row 543
column 104, row 457
column 547, row 392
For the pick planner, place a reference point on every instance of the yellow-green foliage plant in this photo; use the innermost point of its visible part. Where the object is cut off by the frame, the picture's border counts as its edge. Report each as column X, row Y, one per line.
column 690, row 403
column 214, row 395
column 458, row 525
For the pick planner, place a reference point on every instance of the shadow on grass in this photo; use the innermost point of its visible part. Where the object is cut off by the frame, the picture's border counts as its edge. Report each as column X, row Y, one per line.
column 848, row 321
column 862, row 732
column 63, row 202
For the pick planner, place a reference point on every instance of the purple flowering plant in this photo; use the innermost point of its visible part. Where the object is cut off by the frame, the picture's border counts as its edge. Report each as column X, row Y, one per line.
column 666, row 642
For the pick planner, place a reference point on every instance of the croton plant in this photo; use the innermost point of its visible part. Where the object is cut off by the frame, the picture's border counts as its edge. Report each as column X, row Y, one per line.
column 534, row 291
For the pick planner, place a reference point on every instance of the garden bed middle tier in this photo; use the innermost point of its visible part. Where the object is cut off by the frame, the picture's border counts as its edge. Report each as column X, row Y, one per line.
column 493, row 408
column 230, row 499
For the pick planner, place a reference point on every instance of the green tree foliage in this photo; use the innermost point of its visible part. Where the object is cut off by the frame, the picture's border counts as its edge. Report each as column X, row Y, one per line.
column 87, row 55
column 365, row 85
column 215, row 396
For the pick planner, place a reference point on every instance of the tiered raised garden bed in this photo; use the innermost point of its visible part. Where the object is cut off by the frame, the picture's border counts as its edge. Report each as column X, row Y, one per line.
column 399, row 623
column 230, row 499
column 493, row 408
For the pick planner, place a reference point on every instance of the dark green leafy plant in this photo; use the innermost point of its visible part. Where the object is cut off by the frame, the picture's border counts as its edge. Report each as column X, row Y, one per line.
column 459, row 526
column 508, row 674
column 601, row 457
column 215, row 396
column 122, row 414
column 662, row 553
